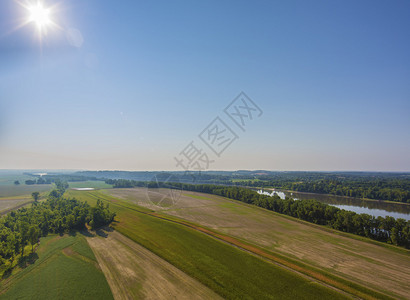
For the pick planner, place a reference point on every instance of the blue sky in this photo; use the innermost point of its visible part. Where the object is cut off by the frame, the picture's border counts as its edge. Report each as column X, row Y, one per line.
column 142, row 79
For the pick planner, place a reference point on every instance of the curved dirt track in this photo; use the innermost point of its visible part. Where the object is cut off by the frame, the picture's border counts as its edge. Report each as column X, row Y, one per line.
column 133, row 272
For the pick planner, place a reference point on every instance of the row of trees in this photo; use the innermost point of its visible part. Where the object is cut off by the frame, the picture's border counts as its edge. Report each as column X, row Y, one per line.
column 387, row 229
column 54, row 215
column 123, row 183
column 40, row 180
column 49, row 179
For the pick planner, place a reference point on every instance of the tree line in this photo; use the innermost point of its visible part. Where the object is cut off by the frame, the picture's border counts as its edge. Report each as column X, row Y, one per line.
column 49, row 179
column 124, row 183
column 54, row 215
column 388, row 229
column 40, row 180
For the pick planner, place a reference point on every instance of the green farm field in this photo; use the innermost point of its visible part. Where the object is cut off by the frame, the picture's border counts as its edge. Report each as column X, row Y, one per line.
column 208, row 260
column 8, row 178
column 12, row 190
column 15, row 196
column 96, row 184
column 9, row 189
column 328, row 251
column 66, row 268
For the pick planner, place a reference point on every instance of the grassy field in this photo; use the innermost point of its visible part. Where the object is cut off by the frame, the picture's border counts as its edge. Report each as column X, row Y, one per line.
column 66, row 268
column 230, row 272
column 12, row 190
column 14, row 196
column 333, row 253
column 10, row 177
column 134, row 272
column 21, row 197
column 9, row 189
column 89, row 184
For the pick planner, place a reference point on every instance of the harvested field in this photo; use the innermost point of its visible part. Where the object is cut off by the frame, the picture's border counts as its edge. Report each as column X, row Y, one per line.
column 10, row 203
column 338, row 254
column 133, row 272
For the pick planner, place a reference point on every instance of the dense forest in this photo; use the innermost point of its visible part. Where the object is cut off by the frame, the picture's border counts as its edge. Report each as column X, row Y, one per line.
column 48, row 179
column 388, row 229
column 54, row 215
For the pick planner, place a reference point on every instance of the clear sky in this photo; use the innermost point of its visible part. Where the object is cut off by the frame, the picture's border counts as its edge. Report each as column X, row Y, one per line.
column 129, row 84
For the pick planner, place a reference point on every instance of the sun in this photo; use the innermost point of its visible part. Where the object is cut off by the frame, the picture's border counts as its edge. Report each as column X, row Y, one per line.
column 39, row 15
column 43, row 18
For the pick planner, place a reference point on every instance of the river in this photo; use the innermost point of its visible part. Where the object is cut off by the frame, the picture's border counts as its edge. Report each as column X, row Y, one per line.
column 360, row 206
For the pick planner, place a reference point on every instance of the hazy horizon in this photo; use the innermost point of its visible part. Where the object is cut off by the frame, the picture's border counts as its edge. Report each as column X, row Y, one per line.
column 222, row 170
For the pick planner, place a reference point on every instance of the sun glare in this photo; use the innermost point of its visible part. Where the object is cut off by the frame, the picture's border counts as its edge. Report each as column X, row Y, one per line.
column 39, row 15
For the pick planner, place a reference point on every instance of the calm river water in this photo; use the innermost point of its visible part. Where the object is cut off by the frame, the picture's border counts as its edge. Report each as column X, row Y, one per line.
column 360, row 206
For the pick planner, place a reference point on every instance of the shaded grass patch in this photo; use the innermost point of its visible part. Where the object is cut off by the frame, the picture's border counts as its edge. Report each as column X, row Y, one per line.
column 66, row 269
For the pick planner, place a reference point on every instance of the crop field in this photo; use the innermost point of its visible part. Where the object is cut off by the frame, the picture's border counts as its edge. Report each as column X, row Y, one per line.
column 335, row 253
column 230, row 272
column 9, row 189
column 12, row 190
column 66, row 268
column 8, row 178
column 9, row 203
column 133, row 272
column 15, row 196
column 96, row 184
